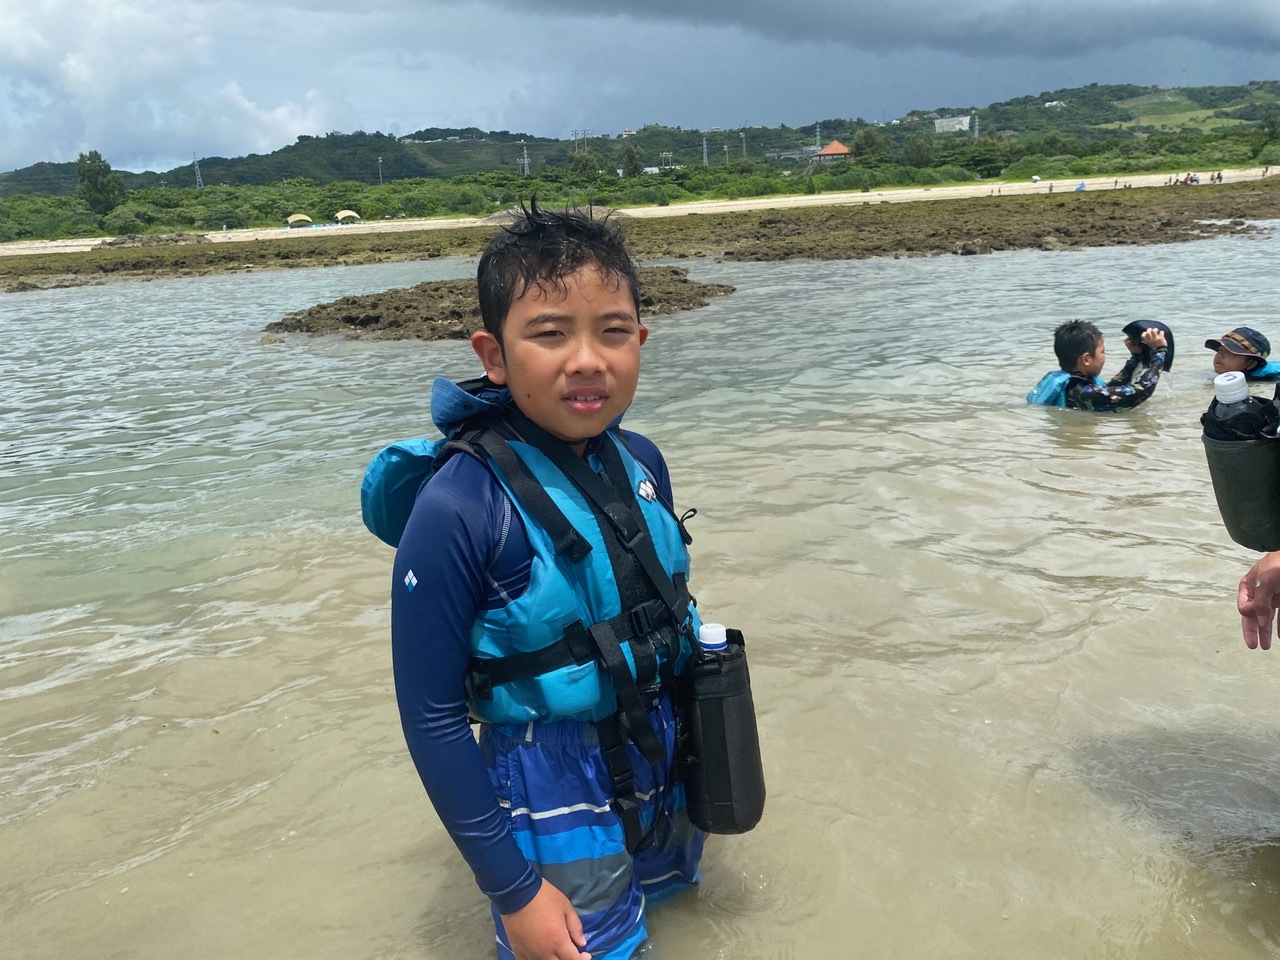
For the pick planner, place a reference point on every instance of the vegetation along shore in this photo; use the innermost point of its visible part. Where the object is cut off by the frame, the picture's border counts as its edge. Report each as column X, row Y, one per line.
column 976, row 225
column 1111, row 151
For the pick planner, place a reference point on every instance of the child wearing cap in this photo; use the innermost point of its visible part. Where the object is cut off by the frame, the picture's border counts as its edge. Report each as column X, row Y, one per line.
column 1246, row 350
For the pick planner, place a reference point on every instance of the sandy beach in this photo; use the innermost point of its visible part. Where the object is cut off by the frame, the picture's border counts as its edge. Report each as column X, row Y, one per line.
column 893, row 195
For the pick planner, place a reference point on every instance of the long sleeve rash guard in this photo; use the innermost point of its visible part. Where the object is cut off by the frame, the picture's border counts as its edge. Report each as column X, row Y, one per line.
column 464, row 551
column 1122, row 393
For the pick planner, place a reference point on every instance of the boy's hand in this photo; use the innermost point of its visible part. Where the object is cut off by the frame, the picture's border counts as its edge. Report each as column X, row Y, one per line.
column 1153, row 337
column 1256, row 601
column 546, row 928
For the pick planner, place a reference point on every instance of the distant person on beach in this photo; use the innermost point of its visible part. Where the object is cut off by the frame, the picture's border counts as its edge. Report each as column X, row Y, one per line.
column 1081, row 352
column 1246, row 350
column 514, row 596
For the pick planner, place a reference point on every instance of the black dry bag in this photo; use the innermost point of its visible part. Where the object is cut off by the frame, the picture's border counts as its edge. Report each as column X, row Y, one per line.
column 724, row 783
column 1244, row 463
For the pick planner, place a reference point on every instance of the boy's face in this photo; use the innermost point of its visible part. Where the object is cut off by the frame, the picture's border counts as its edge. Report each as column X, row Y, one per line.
column 571, row 356
column 1090, row 364
column 1224, row 361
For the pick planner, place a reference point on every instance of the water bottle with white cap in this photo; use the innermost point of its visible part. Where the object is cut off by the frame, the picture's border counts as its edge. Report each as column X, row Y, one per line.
column 1235, row 414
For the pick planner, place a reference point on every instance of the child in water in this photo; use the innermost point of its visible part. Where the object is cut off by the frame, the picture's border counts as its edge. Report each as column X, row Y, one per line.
column 516, row 589
column 1246, row 350
column 1081, row 352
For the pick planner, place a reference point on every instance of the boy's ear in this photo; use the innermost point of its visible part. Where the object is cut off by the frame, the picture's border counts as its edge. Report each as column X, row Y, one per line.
column 489, row 350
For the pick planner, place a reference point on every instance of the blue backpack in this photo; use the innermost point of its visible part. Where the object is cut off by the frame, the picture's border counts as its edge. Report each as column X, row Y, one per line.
column 1051, row 391
column 392, row 481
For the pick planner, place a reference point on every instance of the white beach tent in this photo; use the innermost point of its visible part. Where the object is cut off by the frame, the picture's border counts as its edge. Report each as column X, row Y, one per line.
column 347, row 215
column 298, row 218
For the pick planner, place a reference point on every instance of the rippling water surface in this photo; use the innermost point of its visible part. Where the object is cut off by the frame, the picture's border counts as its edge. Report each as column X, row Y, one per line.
column 1005, row 708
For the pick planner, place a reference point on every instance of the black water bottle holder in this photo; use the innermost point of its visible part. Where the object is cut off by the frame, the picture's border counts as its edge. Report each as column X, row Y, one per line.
column 720, row 752
column 1246, row 475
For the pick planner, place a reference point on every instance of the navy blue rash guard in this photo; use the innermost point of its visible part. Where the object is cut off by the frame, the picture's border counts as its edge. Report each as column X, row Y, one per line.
column 467, row 552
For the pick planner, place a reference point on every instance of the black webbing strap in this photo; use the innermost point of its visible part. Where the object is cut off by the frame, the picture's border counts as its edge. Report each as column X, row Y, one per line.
column 624, row 802
column 632, row 718
column 623, row 518
column 575, row 647
column 531, row 494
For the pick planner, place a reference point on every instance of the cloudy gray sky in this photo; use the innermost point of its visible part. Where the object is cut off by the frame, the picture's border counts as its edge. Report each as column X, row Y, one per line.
column 149, row 83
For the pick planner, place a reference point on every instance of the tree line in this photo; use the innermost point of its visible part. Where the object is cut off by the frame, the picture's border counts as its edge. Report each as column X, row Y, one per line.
column 658, row 165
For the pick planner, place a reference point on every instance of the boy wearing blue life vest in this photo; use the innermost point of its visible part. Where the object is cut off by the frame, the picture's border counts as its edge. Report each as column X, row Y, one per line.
column 540, row 588
column 1081, row 352
column 1246, row 350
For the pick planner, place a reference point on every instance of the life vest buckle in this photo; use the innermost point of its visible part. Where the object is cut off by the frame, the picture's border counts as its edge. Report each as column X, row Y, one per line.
column 646, row 617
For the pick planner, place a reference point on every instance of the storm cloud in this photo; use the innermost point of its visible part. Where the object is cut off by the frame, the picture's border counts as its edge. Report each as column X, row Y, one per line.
column 151, row 84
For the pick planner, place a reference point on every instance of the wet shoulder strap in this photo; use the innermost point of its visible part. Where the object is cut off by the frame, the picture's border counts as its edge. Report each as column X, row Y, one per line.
column 623, row 517
column 490, row 446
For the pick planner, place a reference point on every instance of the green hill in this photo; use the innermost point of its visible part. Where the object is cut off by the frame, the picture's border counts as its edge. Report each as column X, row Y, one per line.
column 1067, row 123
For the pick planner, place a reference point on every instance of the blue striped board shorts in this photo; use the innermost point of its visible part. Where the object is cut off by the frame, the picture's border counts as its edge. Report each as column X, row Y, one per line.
column 553, row 781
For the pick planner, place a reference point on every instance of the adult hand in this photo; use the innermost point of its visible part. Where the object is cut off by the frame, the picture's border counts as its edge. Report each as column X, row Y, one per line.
column 1154, row 337
column 1257, row 600
column 546, row 928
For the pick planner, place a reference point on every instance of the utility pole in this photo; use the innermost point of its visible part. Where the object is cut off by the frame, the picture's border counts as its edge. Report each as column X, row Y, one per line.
column 976, row 122
column 704, row 152
column 743, row 135
column 379, row 171
column 196, row 164
column 726, row 154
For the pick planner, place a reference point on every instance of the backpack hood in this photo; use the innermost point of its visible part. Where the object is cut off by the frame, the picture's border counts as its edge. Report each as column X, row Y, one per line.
column 452, row 404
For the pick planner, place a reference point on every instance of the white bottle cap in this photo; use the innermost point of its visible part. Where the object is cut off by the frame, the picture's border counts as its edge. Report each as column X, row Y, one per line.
column 712, row 636
column 1230, row 387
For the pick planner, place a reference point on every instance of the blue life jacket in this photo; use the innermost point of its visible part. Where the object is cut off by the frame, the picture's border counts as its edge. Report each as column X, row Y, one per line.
column 563, row 648
column 1051, row 391
column 1270, row 372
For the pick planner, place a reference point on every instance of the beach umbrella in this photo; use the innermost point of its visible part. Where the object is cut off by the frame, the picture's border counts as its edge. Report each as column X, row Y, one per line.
column 299, row 218
column 346, row 215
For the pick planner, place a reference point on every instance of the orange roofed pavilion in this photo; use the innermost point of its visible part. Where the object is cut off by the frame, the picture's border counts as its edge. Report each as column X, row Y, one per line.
column 835, row 150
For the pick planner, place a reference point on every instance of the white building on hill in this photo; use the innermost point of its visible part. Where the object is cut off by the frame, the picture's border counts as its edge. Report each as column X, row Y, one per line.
column 951, row 124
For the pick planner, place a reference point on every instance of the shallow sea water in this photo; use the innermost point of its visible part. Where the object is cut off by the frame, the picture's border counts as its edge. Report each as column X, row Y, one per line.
column 1005, row 708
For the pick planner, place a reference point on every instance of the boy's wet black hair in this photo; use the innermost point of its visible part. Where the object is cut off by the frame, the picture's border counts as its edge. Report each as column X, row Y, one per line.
column 1072, row 340
column 543, row 247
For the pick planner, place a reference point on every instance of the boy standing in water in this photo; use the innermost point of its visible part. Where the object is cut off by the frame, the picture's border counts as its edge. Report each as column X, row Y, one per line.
column 540, row 588
column 1082, row 353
